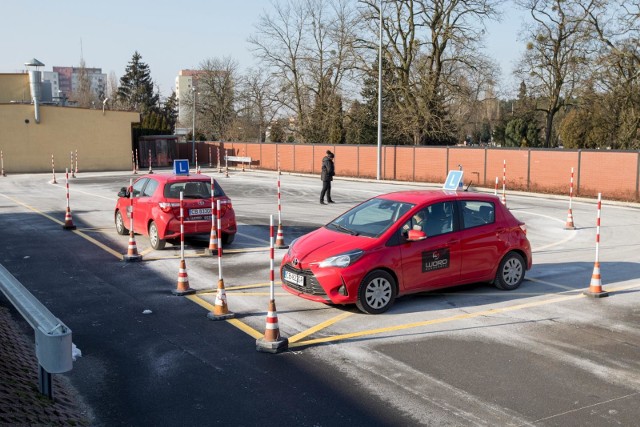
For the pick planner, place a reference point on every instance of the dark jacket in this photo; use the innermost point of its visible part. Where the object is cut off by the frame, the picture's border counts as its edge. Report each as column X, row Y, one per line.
column 328, row 170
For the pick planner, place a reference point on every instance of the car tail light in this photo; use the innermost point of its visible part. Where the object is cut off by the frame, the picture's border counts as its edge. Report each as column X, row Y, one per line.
column 225, row 204
column 167, row 207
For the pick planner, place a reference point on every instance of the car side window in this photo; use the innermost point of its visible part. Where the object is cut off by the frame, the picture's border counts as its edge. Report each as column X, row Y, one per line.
column 150, row 188
column 434, row 220
column 138, row 186
column 476, row 213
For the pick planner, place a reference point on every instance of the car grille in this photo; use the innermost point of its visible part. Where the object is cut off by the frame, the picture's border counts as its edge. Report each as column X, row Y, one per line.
column 312, row 286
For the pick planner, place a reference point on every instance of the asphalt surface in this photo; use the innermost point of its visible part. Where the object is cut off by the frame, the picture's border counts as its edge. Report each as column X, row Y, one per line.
column 542, row 355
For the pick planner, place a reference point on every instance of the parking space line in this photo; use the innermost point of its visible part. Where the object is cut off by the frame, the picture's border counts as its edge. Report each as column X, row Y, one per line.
column 235, row 322
column 319, row 327
column 493, row 311
column 77, row 232
column 556, row 285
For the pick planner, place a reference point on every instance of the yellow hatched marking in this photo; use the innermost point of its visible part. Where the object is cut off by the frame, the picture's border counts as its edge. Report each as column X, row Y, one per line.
column 235, row 322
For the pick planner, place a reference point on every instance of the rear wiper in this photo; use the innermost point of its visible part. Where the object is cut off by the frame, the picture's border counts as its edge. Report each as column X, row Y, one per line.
column 344, row 229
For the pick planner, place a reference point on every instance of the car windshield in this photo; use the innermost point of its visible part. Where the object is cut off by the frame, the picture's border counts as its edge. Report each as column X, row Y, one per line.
column 191, row 190
column 371, row 218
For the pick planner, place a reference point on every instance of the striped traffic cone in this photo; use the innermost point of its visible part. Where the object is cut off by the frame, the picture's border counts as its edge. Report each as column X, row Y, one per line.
column 183, row 281
column 220, row 309
column 272, row 342
column 213, row 243
column 595, row 287
column 132, row 249
column 280, row 244
column 569, row 224
column 68, row 221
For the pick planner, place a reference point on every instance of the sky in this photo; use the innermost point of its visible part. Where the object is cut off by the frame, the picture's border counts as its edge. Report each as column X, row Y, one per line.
column 170, row 35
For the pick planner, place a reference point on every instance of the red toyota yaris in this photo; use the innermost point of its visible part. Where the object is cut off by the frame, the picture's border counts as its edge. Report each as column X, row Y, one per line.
column 406, row 242
column 156, row 208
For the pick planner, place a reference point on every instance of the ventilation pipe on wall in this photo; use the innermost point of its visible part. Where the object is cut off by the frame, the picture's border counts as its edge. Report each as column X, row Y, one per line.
column 35, row 84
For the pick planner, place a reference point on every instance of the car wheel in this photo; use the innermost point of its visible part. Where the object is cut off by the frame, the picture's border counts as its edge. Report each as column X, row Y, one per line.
column 120, row 228
column 228, row 239
column 510, row 272
column 156, row 242
column 376, row 292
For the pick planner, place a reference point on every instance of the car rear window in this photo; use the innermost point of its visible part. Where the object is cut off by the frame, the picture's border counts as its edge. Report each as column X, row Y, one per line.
column 192, row 190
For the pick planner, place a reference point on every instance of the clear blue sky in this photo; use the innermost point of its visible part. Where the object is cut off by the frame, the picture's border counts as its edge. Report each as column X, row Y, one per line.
column 170, row 35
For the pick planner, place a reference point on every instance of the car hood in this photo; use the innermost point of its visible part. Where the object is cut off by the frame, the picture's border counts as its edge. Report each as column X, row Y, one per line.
column 323, row 243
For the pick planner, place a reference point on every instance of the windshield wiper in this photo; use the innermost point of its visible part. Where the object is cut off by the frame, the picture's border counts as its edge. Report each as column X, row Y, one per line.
column 344, row 229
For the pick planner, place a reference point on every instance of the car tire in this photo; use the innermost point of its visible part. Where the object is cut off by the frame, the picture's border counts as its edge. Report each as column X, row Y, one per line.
column 376, row 293
column 120, row 228
column 228, row 239
column 510, row 272
column 156, row 242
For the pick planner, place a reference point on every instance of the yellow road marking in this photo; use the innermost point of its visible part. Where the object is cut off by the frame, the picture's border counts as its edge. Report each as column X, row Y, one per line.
column 319, row 327
column 78, row 232
column 489, row 312
column 235, row 322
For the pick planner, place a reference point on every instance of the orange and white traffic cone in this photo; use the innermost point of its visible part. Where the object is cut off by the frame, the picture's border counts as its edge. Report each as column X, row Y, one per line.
column 68, row 221
column 280, row 244
column 183, row 281
column 595, row 287
column 272, row 342
column 213, row 243
column 220, row 309
column 569, row 224
column 132, row 249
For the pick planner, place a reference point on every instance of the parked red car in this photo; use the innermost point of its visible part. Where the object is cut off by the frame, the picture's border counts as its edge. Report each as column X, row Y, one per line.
column 406, row 242
column 156, row 208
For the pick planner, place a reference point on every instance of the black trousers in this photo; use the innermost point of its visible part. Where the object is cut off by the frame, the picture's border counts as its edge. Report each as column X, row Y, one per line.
column 326, row 189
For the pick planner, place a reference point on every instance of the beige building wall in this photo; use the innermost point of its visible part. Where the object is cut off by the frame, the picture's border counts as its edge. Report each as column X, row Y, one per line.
column 103, row 140
column 14, row 88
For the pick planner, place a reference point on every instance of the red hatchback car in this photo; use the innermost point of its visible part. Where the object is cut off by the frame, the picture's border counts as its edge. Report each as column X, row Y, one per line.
column 156, row 208
column 405, row 242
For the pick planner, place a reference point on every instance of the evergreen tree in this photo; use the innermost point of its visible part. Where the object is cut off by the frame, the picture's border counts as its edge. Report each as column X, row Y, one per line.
column 136, row 87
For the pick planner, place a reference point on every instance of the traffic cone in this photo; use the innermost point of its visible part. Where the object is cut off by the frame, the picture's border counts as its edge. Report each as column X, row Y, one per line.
column 280, row 244
column 226, row 172
column 595, row 287
column 220, row 309
column 569, row 224
column 132, row 249
column 213, row 243
column 272, row 342
column 68, row 221
column 183, row 281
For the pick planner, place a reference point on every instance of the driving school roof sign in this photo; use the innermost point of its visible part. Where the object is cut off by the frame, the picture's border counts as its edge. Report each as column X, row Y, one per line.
column 454, row 180
column 181, row 167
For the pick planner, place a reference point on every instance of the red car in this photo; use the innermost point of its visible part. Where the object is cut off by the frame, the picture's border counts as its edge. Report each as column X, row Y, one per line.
column 156, row 208
column 406, row 242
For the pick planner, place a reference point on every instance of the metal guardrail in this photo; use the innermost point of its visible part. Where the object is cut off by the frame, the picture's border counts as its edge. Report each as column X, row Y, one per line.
column 52, row 337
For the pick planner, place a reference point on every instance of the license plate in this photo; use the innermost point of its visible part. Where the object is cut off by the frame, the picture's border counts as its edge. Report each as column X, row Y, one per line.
column 296, row 279
column 196, row 212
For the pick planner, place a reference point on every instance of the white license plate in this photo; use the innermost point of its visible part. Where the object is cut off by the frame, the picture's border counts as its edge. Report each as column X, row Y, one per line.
column 294, row 278
column 204, row 211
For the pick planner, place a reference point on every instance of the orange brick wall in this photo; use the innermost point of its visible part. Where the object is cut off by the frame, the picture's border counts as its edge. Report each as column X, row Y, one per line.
column 613, row 173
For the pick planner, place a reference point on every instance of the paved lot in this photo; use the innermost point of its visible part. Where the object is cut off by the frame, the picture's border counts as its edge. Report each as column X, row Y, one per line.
column 542, row 355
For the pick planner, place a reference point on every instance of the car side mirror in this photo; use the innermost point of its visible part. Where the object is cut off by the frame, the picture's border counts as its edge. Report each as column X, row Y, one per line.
column 123, row 192
column 416, row 235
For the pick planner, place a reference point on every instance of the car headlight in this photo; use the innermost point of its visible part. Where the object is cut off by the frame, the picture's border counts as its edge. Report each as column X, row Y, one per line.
column 342, row 260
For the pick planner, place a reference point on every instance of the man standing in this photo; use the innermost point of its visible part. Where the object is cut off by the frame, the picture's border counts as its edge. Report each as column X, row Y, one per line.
column 328, row 171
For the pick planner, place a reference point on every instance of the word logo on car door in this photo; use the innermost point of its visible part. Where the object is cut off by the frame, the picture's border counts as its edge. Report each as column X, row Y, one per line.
column 435, row 260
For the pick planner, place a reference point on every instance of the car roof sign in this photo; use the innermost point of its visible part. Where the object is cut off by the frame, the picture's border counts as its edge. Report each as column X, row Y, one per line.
column 454, row 180
column 181, row 167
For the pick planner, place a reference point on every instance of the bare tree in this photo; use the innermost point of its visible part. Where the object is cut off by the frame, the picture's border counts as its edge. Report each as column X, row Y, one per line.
column 260, row 101
column 83, row 93
column 430, row 46
column 215, row 103
column 558, row 49
column 307, row 46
